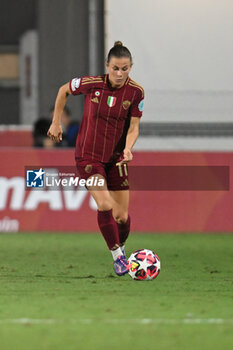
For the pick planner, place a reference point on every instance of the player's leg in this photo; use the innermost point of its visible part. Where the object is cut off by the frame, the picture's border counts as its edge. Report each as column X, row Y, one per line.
column 105, row 219
column 108, row 225
column 120, row 214
column 118, row 184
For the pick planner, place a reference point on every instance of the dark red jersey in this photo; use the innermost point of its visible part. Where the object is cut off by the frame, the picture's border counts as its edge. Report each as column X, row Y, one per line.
column 106, row 117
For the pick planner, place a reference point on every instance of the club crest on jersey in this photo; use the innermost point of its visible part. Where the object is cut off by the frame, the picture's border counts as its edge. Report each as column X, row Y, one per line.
column 97, row 93
column 88, row 168
column 111, row 101
column 126, row 104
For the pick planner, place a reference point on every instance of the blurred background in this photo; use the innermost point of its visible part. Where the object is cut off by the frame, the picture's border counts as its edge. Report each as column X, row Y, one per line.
column 182, row 53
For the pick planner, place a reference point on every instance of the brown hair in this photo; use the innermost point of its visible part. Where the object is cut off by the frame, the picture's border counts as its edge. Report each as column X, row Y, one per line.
column 118, row 50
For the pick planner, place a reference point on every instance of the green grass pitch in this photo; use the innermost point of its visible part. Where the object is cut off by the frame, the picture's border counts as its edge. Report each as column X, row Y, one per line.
column 59, row 291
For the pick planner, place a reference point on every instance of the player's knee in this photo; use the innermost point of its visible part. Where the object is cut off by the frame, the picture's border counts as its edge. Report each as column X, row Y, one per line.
column 121, row 217
column 104, row 204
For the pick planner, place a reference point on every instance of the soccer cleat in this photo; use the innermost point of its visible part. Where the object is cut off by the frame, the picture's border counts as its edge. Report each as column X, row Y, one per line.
column 123, row 251
column 120, row 265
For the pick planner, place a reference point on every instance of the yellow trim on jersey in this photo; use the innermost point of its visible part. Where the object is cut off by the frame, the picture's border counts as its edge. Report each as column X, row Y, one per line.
column 91, row 82
column 85, row 79
column 92, row 78
column 137, row 86
column 134, row 82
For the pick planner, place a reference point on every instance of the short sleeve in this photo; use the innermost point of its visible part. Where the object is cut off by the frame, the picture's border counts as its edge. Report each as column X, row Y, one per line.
column 137, row 105
column 77, row 87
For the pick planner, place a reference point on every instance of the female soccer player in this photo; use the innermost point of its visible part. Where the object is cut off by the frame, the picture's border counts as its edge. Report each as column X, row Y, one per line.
column 110, row 126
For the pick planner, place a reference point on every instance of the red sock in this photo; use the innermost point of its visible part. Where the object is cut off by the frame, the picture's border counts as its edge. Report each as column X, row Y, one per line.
column 124, row 230
column 108, row 228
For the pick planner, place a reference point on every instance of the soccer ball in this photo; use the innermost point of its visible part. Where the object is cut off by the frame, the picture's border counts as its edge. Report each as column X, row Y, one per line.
column 143, row 264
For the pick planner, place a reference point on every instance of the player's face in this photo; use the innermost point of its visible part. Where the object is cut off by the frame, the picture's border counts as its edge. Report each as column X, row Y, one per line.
column 118, row 70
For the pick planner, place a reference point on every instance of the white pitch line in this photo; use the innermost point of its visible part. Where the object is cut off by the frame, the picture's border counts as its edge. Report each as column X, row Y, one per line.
column 142, row 321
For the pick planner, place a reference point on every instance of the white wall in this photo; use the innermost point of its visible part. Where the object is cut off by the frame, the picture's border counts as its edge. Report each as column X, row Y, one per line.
column 183, row 55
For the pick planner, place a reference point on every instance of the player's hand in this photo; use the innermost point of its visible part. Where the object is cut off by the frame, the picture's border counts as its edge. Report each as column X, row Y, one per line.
column 126, row 157
column 55, row 132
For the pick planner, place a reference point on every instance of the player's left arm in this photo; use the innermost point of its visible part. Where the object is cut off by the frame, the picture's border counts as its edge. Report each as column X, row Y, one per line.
column 131, row 138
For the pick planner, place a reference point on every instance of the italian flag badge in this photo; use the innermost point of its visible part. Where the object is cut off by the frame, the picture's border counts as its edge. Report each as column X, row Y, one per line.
column 111, row 101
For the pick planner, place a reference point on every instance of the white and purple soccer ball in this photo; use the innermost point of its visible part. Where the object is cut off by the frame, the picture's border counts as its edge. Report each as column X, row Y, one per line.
column 144, row 265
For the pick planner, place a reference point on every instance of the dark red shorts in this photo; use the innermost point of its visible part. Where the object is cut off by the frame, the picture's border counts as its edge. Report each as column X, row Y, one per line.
column 115, row 175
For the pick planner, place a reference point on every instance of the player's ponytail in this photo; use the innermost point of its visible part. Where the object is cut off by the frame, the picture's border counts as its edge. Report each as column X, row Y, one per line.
column 119, row 51
column 118, row 43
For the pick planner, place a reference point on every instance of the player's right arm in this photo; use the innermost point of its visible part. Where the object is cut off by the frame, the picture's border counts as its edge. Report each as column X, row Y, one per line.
column 55, row 130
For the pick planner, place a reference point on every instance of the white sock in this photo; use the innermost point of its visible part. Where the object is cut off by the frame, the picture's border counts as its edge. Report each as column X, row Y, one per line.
column 123, row 249
column 116, row 253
